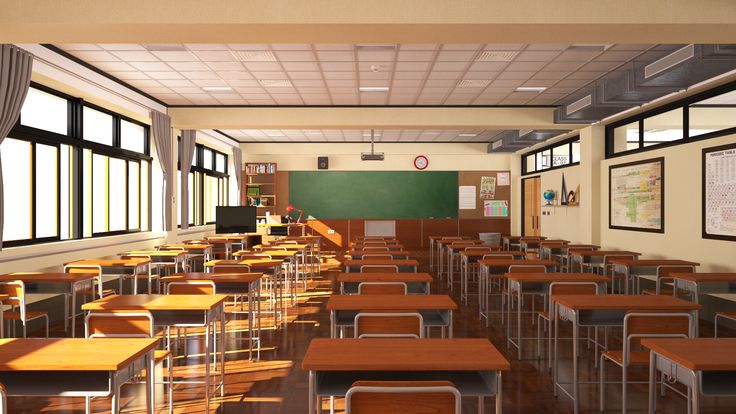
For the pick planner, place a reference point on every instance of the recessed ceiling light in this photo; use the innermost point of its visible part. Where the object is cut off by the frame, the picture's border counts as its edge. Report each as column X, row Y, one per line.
column 368, row 135
column 473, row 83
column 254, row 55
column 537, row 89
column 373, row 88
column 467, row 135
column 216, row 88
column 496, row 56
column 276, row 83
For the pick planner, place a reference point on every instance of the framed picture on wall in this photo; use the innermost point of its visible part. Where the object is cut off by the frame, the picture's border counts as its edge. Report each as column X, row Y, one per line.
column 636, row 196
column 719, row 192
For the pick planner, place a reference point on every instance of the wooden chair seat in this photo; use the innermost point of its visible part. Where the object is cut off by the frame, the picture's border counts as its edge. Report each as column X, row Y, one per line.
column 93, row 292
column 639, row 357
column 15, row 316
column 667, row 291
column 159, row 355
column 543, row 314
column 730, row 315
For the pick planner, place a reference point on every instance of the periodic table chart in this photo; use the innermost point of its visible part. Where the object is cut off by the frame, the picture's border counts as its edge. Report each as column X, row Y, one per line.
column 719, row 169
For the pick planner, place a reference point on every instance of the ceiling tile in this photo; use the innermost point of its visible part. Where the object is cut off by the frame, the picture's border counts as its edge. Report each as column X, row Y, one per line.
column 291, row 46
column 251, row 92
column 546, row 46
column 577, row 55
column 206, row 46
column 114, row 66
column 524, row 66
column 488, row 66
column 139, row 56
column 340, row 75
column 536, row 56
column 600, row 66
column 330, row 46
column 504, row 46
column 208, row 82
column 145, row 83
column 585, row 75
column 165, row 75
column 407, row 82
column 305, row 75
column 563, row 66
column 180, row 56
column 73, row 47
column 540, row 82
column 374, row 56
column 150, row 66
column 225, row 66
column 129, row 75
column 215, row 56
column 480, row 75
column 93, row 56
column 247, row 46
column 455, row 56
column 341, row 82
column 449, row 66
column 200, row 75
column 419, row 46
column 307, row 82
column 444, row 75
column 409, row 75
column 183, row 83
column 295, row 56
column 550, row 75
column 338, row 66
column 269, row 75
column 262, row 66
column 617, row 56
column 300, row 66
column 440, row 82
column 332, row 56
column 242, row 82
column 189, row 66
column 515, row 75
column 415, row 56
column 461, row 46
column 235, row 75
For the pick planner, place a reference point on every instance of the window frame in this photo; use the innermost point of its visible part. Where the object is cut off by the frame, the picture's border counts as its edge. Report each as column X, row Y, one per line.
column 538, row 152
column 197, row 168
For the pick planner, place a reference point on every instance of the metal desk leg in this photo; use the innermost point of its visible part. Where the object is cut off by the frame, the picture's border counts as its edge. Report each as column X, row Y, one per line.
column 312, row 391
column 207, row 355
column 576, row 385
column 499, row 397
column 250, row 320
column 222, row 349
column 151, row 383
column 450, row 328
column 652, row 381
column 333, row 323
column 115, row 403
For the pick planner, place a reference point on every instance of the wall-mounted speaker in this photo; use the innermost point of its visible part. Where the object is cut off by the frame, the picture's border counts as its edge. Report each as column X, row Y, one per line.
column 323, row 163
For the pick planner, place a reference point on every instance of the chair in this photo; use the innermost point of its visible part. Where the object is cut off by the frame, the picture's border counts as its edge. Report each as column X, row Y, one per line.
column 3, row 400
column 375, row 249
column 159, row 266
column 729, row 316
column 564, row 259
column 129, row 325
column 377, row 256
column 664, row 275
column 402, row 397
column 639, row 325
column 379, row 269
column 521, row 269
column 16, row 291
column 388, row 325
column 191, row 287
column 94, row 291
column 382, row 288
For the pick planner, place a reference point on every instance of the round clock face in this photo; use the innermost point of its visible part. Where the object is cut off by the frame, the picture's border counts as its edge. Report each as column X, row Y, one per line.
column 421, row 162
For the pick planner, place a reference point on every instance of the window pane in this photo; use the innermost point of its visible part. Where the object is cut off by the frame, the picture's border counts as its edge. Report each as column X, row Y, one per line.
column 665, row 127
column 65, row 208
column 144, row 196
column 713, row 114
column 561, row 155
column 626, row 137
column 132, row 137
column 207, row 159
column 220, row 163
column 97, row 126
column 530, row 163
column 116, row 192
column 198, row 215
column 99, row 193
column 134, row 171
column 16, row 159
column 543, row 159
column 46, row 191
column 576, row 151
column 45, row 111
column 87, row 206
column 191, row 198
column 178, row 197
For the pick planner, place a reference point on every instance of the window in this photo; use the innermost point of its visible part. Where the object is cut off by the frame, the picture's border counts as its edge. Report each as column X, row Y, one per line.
column 558, row 155
column 207, row 177
column 61, row 184
column 707, row 115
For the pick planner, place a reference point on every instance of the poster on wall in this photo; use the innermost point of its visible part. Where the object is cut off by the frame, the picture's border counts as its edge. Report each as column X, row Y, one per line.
column 487, row 188
column 495, row 208
column 719, row 192
column 466, row 197
column 636, row 194
column 504, row 178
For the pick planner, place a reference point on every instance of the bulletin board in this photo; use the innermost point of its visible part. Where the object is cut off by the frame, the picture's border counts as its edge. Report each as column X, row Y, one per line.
column 500, row 192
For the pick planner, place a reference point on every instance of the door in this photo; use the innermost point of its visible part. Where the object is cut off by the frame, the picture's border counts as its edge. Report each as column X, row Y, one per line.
column 532, row 206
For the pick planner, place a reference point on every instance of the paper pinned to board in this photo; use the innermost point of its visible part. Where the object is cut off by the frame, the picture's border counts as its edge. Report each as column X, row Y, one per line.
column 495, row 208
column 466, row 197
column 503, row 178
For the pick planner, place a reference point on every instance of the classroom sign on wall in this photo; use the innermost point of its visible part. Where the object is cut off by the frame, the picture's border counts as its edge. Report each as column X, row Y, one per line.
column 719, row 192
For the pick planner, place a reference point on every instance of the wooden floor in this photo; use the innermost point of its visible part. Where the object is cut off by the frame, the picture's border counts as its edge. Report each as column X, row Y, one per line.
column 276, row 383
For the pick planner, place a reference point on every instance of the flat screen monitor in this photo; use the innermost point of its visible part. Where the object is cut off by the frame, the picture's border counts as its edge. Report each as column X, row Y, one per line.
column 239, row 219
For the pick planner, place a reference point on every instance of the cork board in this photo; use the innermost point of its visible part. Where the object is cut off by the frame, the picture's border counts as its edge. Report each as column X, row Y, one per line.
column 473, row 178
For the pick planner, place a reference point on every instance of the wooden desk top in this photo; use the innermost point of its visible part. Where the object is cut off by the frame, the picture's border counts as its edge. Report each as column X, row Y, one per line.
column 569, row 246
column 233, row 237
column 624, row 302
column 389, row 302
column 697, row 354
column 553, row 241
column 464, row 242
column 705, row 277
column 511, row 238
column 72, row 354
column 481, row 253
column 273, row 253
column 32, row 277
column 287, row 246
column 555, row 277
column 135, row 262
column 403, row 355
column 387, row 262
column 356, row 252
column 362, row 246
column 215, row 277
column 156, row 302
column 652, row 262
column 186, row 246
column 253, row 263
column 512, row 262
column 589, row 253
column 4, row 297
column 384, row 277
column 156, row 253
column 435, row 238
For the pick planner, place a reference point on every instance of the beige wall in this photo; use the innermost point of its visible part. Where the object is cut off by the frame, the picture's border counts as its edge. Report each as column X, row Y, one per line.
column 561, row 221
column 346, row 156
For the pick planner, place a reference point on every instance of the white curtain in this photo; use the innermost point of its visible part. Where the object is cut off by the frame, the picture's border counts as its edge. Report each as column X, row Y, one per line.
column 15, row 79
column 238, row 165
column 161, row 127
column 188, row 140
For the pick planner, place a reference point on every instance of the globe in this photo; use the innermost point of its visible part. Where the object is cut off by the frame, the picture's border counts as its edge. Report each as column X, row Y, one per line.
column 549, row 195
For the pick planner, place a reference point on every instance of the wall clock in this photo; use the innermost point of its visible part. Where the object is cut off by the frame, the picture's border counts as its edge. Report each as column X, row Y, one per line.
column 421, row 162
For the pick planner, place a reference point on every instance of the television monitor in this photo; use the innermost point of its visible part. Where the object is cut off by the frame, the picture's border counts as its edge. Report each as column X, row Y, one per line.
column 239, row 219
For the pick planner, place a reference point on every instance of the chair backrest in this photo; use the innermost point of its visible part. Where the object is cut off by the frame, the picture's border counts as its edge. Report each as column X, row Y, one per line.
column 573, row 288
column 403, row 397
column 607, row 258
column 138, row 324
column 377, row 256
column 191, row 287
column 379, row 269
column 527, row 269
column 451, row 238
column 399, row 324
column 256, row 256
column 657, row 324
column 374, row 243
column 16, row 291
column 274, row 248
column 135, row 256
column 241, row 268
column 498, row 256
column 382, row 288
column 376, row 249
column 667, row 271
column 579, row 249
column 97, row 269
column 477, row 248
column 171, row 248
column 276, row 243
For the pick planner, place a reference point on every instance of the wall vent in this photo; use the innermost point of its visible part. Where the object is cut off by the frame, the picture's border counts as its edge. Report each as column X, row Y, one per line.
column 671, row 60
column 579, row 104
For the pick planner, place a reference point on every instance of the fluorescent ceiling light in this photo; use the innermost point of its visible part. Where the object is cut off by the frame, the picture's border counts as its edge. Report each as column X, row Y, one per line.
column 467, row 135
column 496, row 56
column 216, row 88
column 473, row 83
column 537, row 89
column 254, row 56
column 373, row 88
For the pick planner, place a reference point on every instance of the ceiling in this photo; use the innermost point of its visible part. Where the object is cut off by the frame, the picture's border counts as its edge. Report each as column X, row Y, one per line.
column 331, row 74
column 357, row 135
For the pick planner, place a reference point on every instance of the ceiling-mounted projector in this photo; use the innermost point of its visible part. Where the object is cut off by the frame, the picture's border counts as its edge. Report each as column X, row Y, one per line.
column 371, row 156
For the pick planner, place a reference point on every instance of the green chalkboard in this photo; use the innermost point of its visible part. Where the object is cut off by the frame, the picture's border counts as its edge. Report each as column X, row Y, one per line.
column 374, row 194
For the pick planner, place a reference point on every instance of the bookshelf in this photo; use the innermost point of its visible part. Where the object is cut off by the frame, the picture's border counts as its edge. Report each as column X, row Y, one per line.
column 260, row 187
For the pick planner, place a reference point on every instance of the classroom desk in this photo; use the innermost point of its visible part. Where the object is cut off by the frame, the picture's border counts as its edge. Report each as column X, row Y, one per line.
column 203, row 250
column 604, row 311
column 395, row 254
column 244, row 240
column 435, row 309
column 293, row 256
column 445, row 252
column 468, row 257
column 390, row 247
column 510, row 241
column 170, row 310
column 704, row 365
column 532, row 242
column 160, row 258
column 416, row 283
column 3, row 297
column 232, row 284
column 500, row 267
column 547, row 250
column 118, row 268
column 636, row 268
column 454, row 250
column 474, row 366
column 433, row 246
column 74, row 282
column 407, row 265
column 595, row 257
column 290, row 258
column 692, row 282
column 538, row 284
column 76, row 367
column 224, row 243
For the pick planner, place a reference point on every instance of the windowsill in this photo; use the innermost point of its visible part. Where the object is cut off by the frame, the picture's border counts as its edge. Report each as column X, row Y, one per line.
column 196, row 229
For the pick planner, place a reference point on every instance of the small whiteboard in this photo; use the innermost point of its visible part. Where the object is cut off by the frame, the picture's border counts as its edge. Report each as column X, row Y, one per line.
column 385, row 228
column 466, row 197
